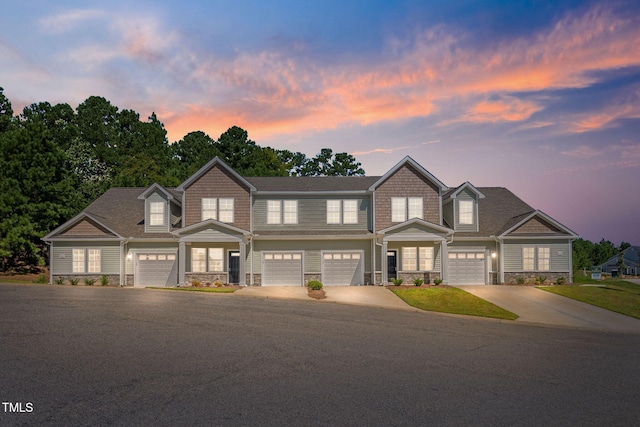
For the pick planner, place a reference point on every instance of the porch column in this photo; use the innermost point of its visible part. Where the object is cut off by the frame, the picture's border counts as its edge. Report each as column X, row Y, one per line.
column 501, row 260
column 243, row 256
column 444, row 262
column 385, row 263
column 182, row 260
column 122, row 280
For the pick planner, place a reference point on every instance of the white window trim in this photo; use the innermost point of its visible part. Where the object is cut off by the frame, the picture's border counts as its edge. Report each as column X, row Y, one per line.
column 282, row 212
column 402, row 211
column 211, row 260
column 417, row 259
column 216, row 211
column 333, row 212
column 274, row 212
column 212, row 211
column 529, row 259
column 341, row 206
column 232, row 210
column 155, row 216
column 86, row 263
column 541, row 260
column 202, row 261
column 345, row 206
column 469, row 214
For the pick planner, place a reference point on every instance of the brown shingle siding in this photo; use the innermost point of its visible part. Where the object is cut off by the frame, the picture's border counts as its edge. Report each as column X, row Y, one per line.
column 406, row 182
column 217, row 182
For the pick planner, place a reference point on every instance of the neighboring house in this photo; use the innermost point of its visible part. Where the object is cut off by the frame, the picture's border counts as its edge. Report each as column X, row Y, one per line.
column 631, row 261
column 267, row 231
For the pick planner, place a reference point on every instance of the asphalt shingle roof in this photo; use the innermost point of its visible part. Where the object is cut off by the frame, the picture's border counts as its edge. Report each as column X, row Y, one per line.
column 313, row 183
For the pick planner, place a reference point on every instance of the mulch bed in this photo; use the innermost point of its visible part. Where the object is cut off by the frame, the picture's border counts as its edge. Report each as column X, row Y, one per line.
column 319, row 294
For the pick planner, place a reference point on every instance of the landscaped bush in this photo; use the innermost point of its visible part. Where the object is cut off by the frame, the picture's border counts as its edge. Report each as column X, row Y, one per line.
column 397, row 282
column 218, row 284
column 314, row 285
column 540, row 280
column 437, row 281
column 418, row 282
column 208, row 284
column 73, row 281
column 561, row 281
column 104, row 280
column 89, row 282
column 196, row 283
column 520, row 280
column 59, row 280
column 41, row 279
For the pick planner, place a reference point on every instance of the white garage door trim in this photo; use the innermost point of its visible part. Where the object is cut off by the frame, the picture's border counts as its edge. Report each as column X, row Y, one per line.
column 342, row 268
column 282, row 268
column 467, row 268
column 155, row 269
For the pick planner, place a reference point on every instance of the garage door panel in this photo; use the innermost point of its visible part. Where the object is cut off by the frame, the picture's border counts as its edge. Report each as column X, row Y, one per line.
column 342, row 269
column 282, row 269
column 155, row 269
column 467, row 268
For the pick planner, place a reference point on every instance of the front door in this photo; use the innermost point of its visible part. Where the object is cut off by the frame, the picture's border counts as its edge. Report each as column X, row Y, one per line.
column 392, row 269
column 234, row 267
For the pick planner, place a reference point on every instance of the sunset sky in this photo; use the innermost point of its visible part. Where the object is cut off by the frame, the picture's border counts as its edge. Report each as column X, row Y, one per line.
column 541, row 97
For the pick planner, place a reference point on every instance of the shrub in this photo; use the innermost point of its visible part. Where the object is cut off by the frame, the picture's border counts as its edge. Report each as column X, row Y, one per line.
column 418, row 282
column 196, row 283
column 41, row 279
column 217, row 284
column 315, row 285
column 520, row 280
column 561, row 281
column 540, row 280
column 104, row 280
column 59, row 280
column 437, row 281
column 89, row 282
column 397, row 282
column 208, row 284
column 73, row 281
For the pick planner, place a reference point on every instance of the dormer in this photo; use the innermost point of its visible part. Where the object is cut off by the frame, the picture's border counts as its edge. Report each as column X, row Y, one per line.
column 460, row 207
column 161, row 209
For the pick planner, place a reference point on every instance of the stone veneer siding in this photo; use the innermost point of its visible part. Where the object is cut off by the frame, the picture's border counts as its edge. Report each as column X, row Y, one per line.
column 530, row 277
column 207, row 277
column 114, row 279
column 406, row 182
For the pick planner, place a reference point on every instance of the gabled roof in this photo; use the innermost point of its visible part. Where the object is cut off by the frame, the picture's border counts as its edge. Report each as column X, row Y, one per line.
column 54, row 234
column 419, row 222
column 208, row 223
column 409, row 161
column 520, row 220
column 453, row 192
column 216, row 161
column 171, row 195
column 629, row 255
column 310, row 184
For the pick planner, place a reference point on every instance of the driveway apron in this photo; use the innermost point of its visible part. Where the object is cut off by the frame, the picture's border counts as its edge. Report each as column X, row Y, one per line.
column 537, row 306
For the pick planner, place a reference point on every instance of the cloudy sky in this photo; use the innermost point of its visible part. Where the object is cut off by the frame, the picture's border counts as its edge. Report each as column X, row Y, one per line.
column 541, row 97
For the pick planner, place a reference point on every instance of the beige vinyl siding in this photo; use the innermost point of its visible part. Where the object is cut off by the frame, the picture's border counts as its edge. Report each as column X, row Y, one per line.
column 467, row 196
column 312, row 260
column 560, row 254
column 62, row 255
column 154, row 198
column 312, row 214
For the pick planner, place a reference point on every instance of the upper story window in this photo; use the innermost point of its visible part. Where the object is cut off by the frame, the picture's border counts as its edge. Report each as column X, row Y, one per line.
column 403, row 208
column 342, row 211
column 282, row 211
column 156, row 213
column 220, row 209
column 465, row 208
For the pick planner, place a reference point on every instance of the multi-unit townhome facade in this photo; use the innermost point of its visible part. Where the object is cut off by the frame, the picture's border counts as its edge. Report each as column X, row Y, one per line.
column 286, row 231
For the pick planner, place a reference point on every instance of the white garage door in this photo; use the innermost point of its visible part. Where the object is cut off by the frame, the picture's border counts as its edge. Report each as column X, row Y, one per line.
column 282, row 269
column 342, row 268
column 466, row 268
column 156, row 270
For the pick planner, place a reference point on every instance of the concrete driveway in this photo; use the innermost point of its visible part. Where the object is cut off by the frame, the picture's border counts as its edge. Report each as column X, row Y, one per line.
column 371, row 296
column 537, row 306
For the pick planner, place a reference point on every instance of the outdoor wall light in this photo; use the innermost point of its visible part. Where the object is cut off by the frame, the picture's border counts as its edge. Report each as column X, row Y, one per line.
column 493, row 254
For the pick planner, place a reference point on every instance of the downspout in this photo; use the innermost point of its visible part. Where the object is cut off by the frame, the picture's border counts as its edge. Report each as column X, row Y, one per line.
column 501, row 261
column 50, row 261
column 571, row 260
column 444, row 261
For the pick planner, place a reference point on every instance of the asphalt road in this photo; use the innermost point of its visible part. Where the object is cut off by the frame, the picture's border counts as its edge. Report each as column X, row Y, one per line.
column 110, row 356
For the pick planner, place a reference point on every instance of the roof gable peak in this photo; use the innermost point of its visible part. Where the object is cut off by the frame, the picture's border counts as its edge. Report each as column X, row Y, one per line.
column 417, row 166
column 204, row 169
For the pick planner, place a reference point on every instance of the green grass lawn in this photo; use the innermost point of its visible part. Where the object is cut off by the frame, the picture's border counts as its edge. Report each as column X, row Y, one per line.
column 451, row 300
column 223, row 290
column 613, row 294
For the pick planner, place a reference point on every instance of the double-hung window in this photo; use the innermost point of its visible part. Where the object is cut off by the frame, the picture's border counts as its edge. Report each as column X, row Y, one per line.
column 282, row 211
column 220, row 209
column 465, row 213
column 156, row 213
column 529, row 258
column 86, row 260
column 198, row 260
column 403, row 208
column 417, row 259
column 544, row 255
column 342, row 211
column 216, row 259
column 201, row 263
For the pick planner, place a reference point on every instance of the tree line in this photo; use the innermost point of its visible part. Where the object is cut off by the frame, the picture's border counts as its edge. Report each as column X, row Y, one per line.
column 55, row 160
column 587, row 254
